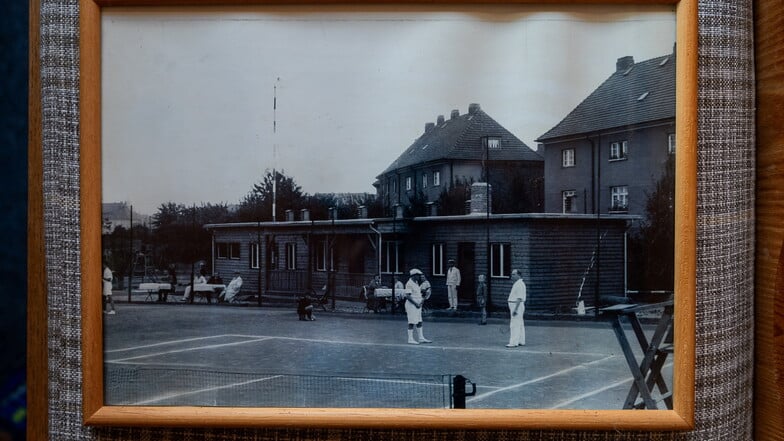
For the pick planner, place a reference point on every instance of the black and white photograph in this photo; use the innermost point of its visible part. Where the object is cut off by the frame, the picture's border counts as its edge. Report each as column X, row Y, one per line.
column 389, row 207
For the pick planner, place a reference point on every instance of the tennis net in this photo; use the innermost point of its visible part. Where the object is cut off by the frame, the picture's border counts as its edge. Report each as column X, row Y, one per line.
column 144, row 385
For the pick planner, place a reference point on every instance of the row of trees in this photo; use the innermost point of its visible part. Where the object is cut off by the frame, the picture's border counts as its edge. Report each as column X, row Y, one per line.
column 175, row 232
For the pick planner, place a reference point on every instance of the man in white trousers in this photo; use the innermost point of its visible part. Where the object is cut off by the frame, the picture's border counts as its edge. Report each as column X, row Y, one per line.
column 452, row 282
column 516, row 302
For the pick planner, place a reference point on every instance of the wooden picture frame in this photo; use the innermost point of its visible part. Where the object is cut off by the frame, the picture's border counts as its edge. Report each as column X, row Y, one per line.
column 681, row 417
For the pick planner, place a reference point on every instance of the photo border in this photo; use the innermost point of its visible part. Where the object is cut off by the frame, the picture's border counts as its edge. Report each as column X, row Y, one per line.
column 95, row 412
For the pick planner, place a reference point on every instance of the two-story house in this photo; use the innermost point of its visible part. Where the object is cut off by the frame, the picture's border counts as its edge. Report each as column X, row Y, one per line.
column 607, row 154
column 466, row 148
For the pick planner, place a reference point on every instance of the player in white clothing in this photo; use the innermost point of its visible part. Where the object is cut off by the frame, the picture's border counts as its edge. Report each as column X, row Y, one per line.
column 414, row 300
column 516, row 302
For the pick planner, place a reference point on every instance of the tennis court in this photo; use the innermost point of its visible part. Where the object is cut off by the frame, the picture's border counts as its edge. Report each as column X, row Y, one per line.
column 248, row 356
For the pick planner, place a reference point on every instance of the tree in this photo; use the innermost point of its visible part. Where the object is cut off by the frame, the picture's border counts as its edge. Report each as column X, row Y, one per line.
column 257, row 204
column 178, row 231
column 652, row 246
column 452, row 201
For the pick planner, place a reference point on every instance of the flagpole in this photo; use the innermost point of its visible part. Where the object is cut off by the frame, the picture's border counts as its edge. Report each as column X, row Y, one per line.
column 274, row 149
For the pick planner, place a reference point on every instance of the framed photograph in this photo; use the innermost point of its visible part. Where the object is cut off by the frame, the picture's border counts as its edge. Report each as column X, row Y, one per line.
column 389, row 215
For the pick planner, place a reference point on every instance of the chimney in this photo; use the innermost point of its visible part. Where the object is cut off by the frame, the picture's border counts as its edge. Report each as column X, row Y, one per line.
column 363, row 212
column 432, row 209
column 429, row 126
column 473, row 108
column 455, row 114
column 398, row 211
column 440, row 120
column 481, row 197
column 304, row 214
column 624, row 63
column 289, row 215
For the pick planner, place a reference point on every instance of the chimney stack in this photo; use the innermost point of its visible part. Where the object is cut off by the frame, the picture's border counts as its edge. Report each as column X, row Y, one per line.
column 398, row 211
column 429, row 126
column 440, row 120
column 624, row 63
column 481, row 197
column 455, row 114
column 473, row 108
column 304, row 214
column 432, row 209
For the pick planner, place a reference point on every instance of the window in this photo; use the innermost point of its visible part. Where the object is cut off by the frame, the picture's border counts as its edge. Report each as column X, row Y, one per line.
column 492, row 142
column 437, row 259
column 671, row 143
column 424, row 180
column 291, row 256
column 618, row 150
column 500, row 260
column 390, row 257
column 567, row 158
column 222, row 250
column 436, row 178
column 408, row 183
column 227, row 250
column 254, row 255
column 394, row 186
column 324, row 256
column 620, row 198
column 569, row 205
column 272, row 256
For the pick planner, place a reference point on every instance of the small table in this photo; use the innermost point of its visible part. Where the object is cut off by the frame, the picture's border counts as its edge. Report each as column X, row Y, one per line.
column 387, row 292
column 206, row 290
column 647, row 373
column 154, row 288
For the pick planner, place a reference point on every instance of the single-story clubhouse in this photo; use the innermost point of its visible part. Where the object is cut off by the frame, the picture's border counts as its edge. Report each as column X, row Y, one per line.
column 563, row 257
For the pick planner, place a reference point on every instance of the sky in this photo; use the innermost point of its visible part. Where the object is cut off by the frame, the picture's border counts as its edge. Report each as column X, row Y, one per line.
column 189, row 113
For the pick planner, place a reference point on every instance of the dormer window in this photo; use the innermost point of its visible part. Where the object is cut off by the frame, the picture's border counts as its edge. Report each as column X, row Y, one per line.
column 491, row 142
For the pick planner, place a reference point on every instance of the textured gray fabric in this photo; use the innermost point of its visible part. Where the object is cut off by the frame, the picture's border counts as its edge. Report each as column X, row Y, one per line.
column 725, row 246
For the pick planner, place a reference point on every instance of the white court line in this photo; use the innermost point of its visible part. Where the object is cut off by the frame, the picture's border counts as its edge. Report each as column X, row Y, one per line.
column 597, row 391
column 175, row 351
column 170, row 342
column 209, row 389
column 425, row 346
column 536, row 380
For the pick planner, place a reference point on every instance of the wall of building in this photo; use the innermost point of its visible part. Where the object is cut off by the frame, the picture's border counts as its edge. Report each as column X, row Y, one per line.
column 554, row 255
column 646, row 158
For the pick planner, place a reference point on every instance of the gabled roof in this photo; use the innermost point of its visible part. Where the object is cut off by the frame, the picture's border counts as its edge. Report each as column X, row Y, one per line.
column 635, row 93
column 460, row 137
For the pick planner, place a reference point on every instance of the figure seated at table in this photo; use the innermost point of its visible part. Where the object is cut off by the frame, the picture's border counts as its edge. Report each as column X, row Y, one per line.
column 231, row 291
column 373, row 302
column 199, row 280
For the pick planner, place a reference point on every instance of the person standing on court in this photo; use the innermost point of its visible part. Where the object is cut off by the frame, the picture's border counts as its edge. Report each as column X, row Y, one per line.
column 413, row 301
column 516, row 302
column 452, row 282
column 481, row 299
column 107, row 289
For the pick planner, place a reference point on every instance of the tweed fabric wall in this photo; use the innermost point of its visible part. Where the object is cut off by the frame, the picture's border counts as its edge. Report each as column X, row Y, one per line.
column 725, row 247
